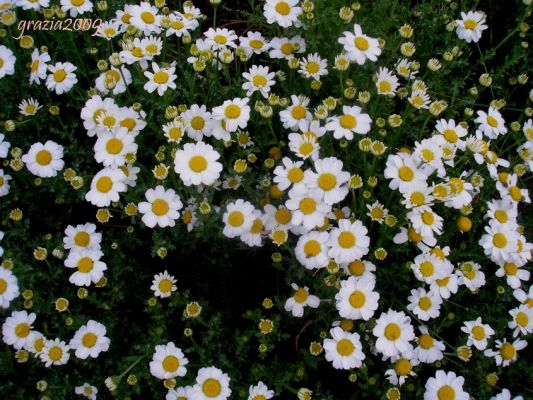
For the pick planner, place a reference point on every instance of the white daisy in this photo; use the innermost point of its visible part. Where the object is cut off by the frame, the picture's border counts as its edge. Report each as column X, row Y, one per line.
column 312, row 251
column 238, row 218
column 300, row 299
column 198, row 121
column 296, row 113
column 235, row 113
column 445, row 386
column 4, row 186
column 163, row 285
column 260, row 392
column 76, row 7
column 9, row 288
column 478, row 333
column 7, row 61
column 161, row 79
column 211, row 384
column 288, row 174
column 429, row 349
column 29, row 107
column 89, row 267
column 44, row 160
column 258, row 79
column 285, row 48
column 307, row 206
column 491, row 124
column 111, row 148
column 351, row 121
column 506, row 352
column 4, row 146
column 313, row 66
column 82, row 237
column 86, row 390
column 55, row 352
column 168, row 362
column 145, row 17
column 470, row 27
column 329, row 180
column 344, row 350
column 106, row 186
column 386, row 82
column 196, row 164
column 359, row 47
column 16, row 329
column 394, row 332
column 348, row 242
column 425, row 305
column 90, row 340
column 113, row 80
column 522, row 320
column 283, row 12
column 62, row 77
column 161, row 208
column 357, row 299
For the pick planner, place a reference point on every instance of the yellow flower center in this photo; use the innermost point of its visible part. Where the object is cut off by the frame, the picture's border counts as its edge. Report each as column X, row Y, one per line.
column 3, row 286
column 283, row 8
column 450, row 135
column 510, row 268
column 499, row 240
column 306, row 149
column 470, row 24
column 417, row 198
column 312, row 248
column 256, row 44
column 345, row 347
column 82, row 239
column 357, row 299
column 446, row 393
column 507, row 351
column 384, row 87
column 327, row 181
column 198, row 123
column 312, row 67
column 259, row 80
column 348, row 121
column 406, row 174
column 361, row 43
column 287, row 48
column 114, row 146
column 301, row 295
column 137, row 52
column 104, row 184
column 501, row 216
column 522, row 319
column 151, row 48
column 295, row 175
column 236, row 219
column 232, row 111
column 171, row 364
column 198, row 164
column 175, row 133
column 425, row 341
column 77, row 3
column 424, row 303
column 307, row 206
column 211, row 387
column 55, row 353
column 403, row 366
column 356, row 268
column 22, row 330
column 161, row 77
column 478, row 332
column 428, row 217
column 347, row 240
column 60, row 75
column 220, row 39
column 160, row 207
column 426, row 269
column 147, row 17
column 283, row 216
column 492, row 121
column 1, row 181
column 413, row 235
column 377, row 213
column 257, row 226
column 392, row 331
column 165, row 285
column 85, row 265
column 89, row 339
column 43, row 157
column 516, row 193
column 298, row 112
column 34, row 65
column 427, row 155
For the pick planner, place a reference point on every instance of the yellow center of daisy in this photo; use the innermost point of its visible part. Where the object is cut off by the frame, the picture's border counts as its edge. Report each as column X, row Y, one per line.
column 295, row 175
column 197, row 123
column 161, row 77
column 307, row 206
column 175, row 133
column 427, row 155
column 22, row 330
column 89, row 339
column 425, row 341
column 104, row 184
column 501, row 216
column 298, row 112
column 113, row 74
column 39, row 345
column 43, row 157
column 137, row 52
column 345, row 347
column 30, row 109
column 446, row 393
column 85, row 265
column 417, row 198
column 392, row 331
column 256, row 43
column 377, row 213
column 259, row 397
column 443, row 282
column 109, row 121
column 114, row 146
column 470, row 24
column 492, row 121
column 283, row 8
column 522, row 319
column 77, row 3
column 406, row 174
column 220, row 39
column 55, row 353
column 259, row 81
column 34, row 65
column 312, row 67
column 147, row 17
column 510, row 268
column 171, row 364
column 110, row 32
column 301, row 295
column 211, row 387
column 327, row 181
column 88, row 390
column 198, row 164
column 165, row 285
column 428, row 218
column 283, row 216
column 287, row 48
column 312, row 248
column 232, row 111
column 357, row 299
column 151, row 48
column 257, row 226
column 3, row 286
column 424, row 303
column 236, row 219
column 357, row 268
column 478, row 332
column 384, row 87
column 347, row 240
column 450, row 135
column 516, row 193
column 306, row 149
column 82, row 239
column 60, row 75
column 499, row 240
column 361, row 43
column 426, row 269
column 403, row 366
column 507, row 351
column 160, row 207
column 348, row 121
column 1, row 181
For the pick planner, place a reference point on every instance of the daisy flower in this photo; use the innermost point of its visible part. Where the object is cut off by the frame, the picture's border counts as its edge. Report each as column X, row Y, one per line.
column 513, row 273
column 491, row 124
column 445, row 385
column 471, row 25
column 402, row 171
column 198, row 121
column 425, row 305
column 307, row 206
column 359, row 47
column 259, row 392
column 76, row 7
column 357, row 299
column 254, row 43
column 351, row 121
column 105, row 187
column 429, row 349
column 196, row 164
column 296, row 113
column 300, row 299
column 4, row 186
column 175, row 130
column 180, row 393
column 93, row 111
column 506, row 395
column 419, row 99
column 522, row 321
column 478, row 333
column 499, row 243
column 88, row 265
column 220, row 38
column 111, row 148
column 211, row 384
column 403, row 68
column 425, row 221
column 348, row 242
column 238, row 218
column 329, row 180
column 168, row 362
column 109, row 29
column 506, row 352
column 4, row 146
column 402, row 369
column 360, row 269
column 471, row 276
column 90, row 340
column 33, row 4
column 344, row 350
column 288, row 174
column 161, row 208
column 113, row 80
column 82, row 237
column 235, row 113
column 87, row 391
column 393, row 331
column 163, row 285
column 508, row 188
column 283, row 12
column 9, row 288
column 29, row 107
column 61, row 77
column 447, row 285
column 16, row 329
column 44, row 160
column 35, row 343
column 259, row 79
column 55, row 352
column 452, row 132
column 386, row 82
column 313, row 66
column 7, row 61
column 253, row 237
column 312, row 250
column 304, row 146
column 285, row 48
column 145, row 17
column 161, row 79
